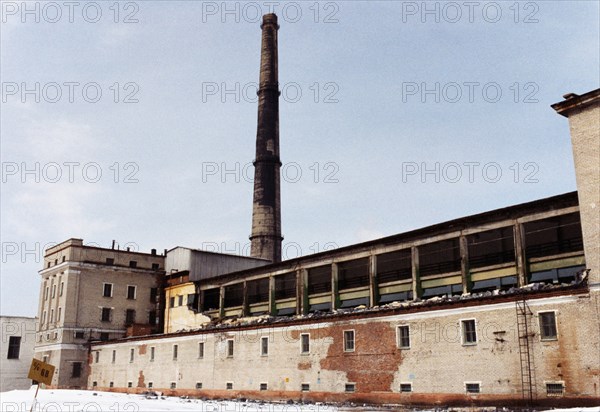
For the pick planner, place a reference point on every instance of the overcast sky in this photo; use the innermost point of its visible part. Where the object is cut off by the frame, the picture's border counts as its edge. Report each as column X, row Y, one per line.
column 137, row 120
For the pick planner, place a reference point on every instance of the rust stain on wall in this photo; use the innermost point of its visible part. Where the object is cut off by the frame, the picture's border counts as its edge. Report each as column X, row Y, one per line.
column 142, row 349
column 374, row 361
column 304, row 366
column 141, row 380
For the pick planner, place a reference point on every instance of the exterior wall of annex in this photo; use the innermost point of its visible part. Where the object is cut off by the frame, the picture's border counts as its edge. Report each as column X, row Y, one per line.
column 17, row 339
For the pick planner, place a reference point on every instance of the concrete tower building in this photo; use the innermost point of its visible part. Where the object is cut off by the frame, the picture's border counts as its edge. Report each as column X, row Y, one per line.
column 266, row 211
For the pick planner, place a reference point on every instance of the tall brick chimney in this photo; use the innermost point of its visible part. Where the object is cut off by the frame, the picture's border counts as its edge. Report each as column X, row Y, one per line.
column 266, row 208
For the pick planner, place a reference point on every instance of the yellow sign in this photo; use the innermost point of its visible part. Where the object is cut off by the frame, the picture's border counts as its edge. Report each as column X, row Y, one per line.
column 41, row 372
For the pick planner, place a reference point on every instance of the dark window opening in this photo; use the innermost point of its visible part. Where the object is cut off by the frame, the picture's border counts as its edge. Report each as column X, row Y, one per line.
column 555, row 389
column 129, row 317
column 234, row 295
column 14, row 347
column 130, row 292
column 179, row 300
column 106, row 314
column 110, row 261
column 76, row 370
column 403, row 337
column 211, row 299
column 472, row 387
column 173, row 385
column 491, row 247
column 155, row 266
column 285, row 286
column 192, row 301
column 198, row 385
column 394, row 266
column 552, row 236
column 439, row 257
column 286, row 311
column 104, row 336
column 353, row 274
column 350, row 387
column 319, row 280
column 406, row 387
column 107, row 290
column 320, row 307
column 352, row 303
column 305, row 387
column 562, row 275
column 79, row 334
column 153, row 294
column 469, row 332
column 132, row 264
column 263, row 386
column 229, row 385
column 258, row 291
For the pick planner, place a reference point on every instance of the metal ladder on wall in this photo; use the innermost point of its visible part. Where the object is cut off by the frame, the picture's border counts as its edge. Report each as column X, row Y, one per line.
column 525, row 334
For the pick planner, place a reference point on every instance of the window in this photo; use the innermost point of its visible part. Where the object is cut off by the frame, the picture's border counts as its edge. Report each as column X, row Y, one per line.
column 131, row 354
column 44, row 317
column 104, row 336
column 152, row 350
column 45, row 358
column 555, row 389
column 172, row 302
column 76, row 370
column 230, row 348
column 14, row 347
column 229, row 385
column 53, row 291
column 108, row 289
column 153, row 294
column 96, row 356
column 49, row 263
column 234, row 295
column 51, row 315
column 263, row 386
column 130, row 384
column 131, row 292
column 353, row 274
column 46, row 291
column 79, row 334
column 305, row 387
column 62, row 288
column 114, row 356
column 106, row 314
column 64, row 258
column 152, row 317
column 472, row 387
column 129, row 317
column 94, row 384
column 264, row 346
column 285, row 286
column 469, row 333
column 406, row 387
column 175, row 350
column 348, row 341
column 180, row 300
column 319, row 280
column 111, row 384
column 200, row 350
column 59, row 314
column 258, row 291
column 150, row 385
column 305, row 342
column 403, row 337
column 547, row 325
column 132, row 264
column 350, row 387
column 198, row 385
column 110, row 261
column 155, row 266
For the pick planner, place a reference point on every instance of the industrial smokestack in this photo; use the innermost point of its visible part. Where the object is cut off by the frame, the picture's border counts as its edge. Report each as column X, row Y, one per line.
column 266, row 211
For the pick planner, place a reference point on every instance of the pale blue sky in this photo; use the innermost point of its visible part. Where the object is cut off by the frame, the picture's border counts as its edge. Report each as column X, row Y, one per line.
column 367, row 57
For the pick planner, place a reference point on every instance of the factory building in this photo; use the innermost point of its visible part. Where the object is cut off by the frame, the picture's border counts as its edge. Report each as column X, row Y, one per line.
column 498, row 308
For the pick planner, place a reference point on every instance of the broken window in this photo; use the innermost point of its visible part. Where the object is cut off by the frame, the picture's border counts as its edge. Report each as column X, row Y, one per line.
column 491, row 247
column 173, row 385
column 155, row 266
column 403, row 337
column 547, row 325
column 353, row 274
column 394, row 266
column 552, row 236
column 439, row 257
column 211, row 299
column 76, row 370
column 14, row 347
column 348, row 341
column 395, row 297
column 319, row 280
column 258, row 291
column 192, row 301
column 129, row 317
column 234, row 295
column 285, row 286
column 469, row 333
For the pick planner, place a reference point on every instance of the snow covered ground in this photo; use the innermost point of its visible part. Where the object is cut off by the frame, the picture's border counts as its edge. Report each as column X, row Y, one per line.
column 94, row 401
